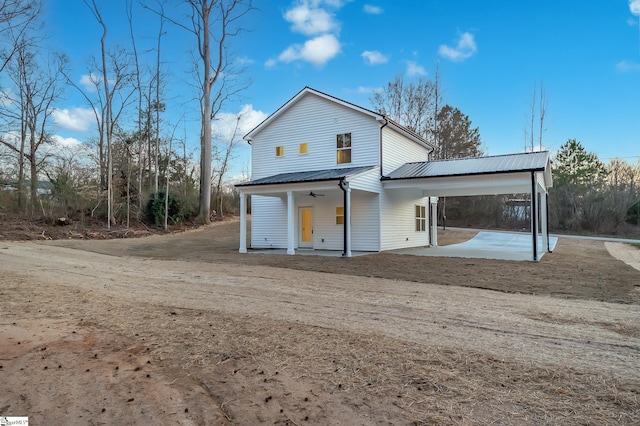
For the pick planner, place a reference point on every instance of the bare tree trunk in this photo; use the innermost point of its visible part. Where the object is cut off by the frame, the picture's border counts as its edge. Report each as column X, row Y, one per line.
column 23, row 139
column 139, row 139
column 543, row 111
column 107, row 117
column 533, row 117
column 157, row 102
column 225, row 21
column 205, row 144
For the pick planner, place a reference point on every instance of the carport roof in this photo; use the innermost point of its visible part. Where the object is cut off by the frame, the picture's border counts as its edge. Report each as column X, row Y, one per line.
column 511, row 163
column 308, row 176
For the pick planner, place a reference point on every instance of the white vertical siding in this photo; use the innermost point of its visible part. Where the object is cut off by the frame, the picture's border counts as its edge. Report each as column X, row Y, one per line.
column 397, row 150
column 397, row 213
column 315, row 121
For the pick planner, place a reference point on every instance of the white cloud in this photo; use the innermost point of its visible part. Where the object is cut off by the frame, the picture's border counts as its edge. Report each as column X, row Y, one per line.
column 318, row 51
column 6, row 97
column 372, row 10
column 634, row 7
column 309, row 18
column 632, row 22
column 362, row 89
column 315, row 19
column 77, row 119
column 374, row 57
column 414, row 69
column 89, row 81
column 625, row 66
column 245, row 120
column 464, row 49
column 66, row 142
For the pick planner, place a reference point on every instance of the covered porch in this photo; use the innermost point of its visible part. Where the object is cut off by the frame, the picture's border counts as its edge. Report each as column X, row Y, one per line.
column 318, row 206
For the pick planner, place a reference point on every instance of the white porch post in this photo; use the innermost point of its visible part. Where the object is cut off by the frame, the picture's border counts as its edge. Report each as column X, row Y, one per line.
column 543, row 219
column 434, row 221
column 290, row 224
column 243, row 222
column 347, row 220
column 534, row 216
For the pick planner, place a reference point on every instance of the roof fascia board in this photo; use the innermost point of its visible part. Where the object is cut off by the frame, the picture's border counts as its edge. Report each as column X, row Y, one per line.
column 281, row 189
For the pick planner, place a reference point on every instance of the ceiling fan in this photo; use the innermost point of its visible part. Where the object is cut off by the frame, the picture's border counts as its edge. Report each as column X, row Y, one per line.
column 314, row 195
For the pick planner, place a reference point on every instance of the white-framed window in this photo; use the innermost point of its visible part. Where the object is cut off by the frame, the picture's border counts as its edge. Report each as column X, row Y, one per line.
column 421, row 218
column 303, row 148
column 343, row 146
column 339, row 215
column 279, row 151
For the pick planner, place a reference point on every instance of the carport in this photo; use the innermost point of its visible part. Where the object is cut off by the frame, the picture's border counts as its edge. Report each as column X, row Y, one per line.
column 528, row 172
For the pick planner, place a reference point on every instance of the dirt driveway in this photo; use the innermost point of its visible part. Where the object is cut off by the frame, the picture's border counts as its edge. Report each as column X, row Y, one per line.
column 183, row 329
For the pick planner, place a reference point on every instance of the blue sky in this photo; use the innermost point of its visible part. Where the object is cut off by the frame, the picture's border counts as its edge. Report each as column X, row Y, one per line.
column 490, row 55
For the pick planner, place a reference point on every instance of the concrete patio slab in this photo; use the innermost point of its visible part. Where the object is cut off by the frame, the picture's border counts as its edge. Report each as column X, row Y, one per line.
column 487, row 245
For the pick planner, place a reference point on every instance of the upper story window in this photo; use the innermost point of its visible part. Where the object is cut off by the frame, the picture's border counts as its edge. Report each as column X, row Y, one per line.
column 303, row 148
column 343, row 145
column 279, row 151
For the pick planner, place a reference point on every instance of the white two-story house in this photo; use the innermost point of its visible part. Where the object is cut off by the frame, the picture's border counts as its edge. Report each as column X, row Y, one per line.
column 330, row 175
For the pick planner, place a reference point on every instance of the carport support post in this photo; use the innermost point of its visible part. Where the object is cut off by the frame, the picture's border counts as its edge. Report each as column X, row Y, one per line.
column 434, row 221
column 534, row 216
column 544, row 218
column 243, row 222
column 290, row 224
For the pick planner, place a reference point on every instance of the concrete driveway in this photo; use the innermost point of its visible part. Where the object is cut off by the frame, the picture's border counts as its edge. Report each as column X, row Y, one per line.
column 488, row 245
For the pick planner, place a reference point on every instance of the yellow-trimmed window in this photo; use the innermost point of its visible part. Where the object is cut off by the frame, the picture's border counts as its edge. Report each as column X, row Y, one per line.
column 421, row 218
column 343, row 146
column 279, row 151
column 339, row 215
column 303, row 148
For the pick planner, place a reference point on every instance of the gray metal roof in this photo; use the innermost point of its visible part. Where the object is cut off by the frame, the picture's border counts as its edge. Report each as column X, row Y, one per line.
column 511, row 163
column 310, row 176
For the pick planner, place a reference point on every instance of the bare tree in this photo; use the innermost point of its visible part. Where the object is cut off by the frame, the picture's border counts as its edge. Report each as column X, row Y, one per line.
column 38, row 85
column 16, row 17
column 224, row 157
column 214, row 23
column 542, row 112
column 93, row 7
column 113, row 80
column 530, row 128
column 138, row 88
column 414, row 105
column 531, row 134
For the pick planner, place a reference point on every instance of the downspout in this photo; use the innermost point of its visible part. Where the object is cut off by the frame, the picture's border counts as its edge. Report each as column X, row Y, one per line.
column 534, row 216
column 344, row 207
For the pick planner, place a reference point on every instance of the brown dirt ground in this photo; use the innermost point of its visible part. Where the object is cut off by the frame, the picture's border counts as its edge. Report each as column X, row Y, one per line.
column 181, row 328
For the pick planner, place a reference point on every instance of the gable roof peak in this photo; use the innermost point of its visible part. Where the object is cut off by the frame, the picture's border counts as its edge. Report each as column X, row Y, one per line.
column 381, row 118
